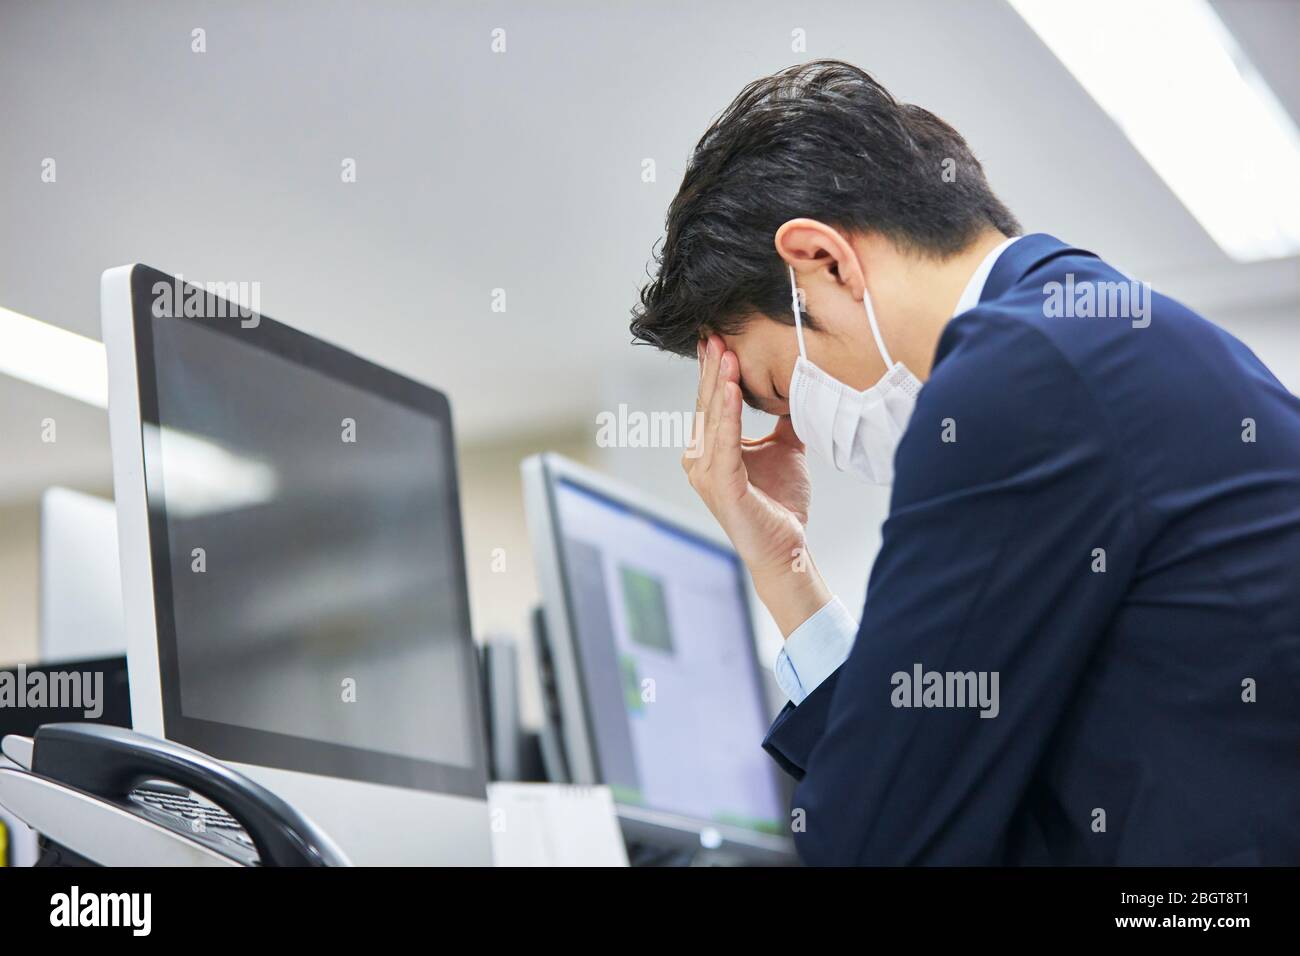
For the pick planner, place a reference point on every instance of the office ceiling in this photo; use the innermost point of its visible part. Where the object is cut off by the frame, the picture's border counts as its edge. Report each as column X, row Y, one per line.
column 479, row 171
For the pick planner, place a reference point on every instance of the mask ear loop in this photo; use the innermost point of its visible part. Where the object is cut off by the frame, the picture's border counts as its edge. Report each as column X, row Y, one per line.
column 794, row 304
column 866, row 304
column 875, row 329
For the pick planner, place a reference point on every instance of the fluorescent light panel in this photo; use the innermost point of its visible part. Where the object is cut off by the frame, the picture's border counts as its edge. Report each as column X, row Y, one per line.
column 1175, row 80
column 53, row 358
column 202, row 476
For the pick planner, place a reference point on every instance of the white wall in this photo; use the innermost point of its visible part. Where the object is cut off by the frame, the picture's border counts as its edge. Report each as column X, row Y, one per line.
column 503, row 593
column 19, row 568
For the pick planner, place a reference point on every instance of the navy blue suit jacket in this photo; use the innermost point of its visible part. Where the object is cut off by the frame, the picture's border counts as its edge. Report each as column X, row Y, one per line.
column 1149, row 712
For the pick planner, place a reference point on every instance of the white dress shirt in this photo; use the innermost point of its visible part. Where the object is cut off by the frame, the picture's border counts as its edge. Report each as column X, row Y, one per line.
column 818, row 646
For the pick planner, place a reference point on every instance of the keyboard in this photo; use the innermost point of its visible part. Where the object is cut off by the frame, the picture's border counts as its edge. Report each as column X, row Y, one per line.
column 182, row 810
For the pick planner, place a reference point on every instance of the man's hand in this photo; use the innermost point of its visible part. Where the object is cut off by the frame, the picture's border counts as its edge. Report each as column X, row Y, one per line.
column 758, row 490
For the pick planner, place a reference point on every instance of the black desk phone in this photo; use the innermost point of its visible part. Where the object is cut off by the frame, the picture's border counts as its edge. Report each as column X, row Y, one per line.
column 106, row 795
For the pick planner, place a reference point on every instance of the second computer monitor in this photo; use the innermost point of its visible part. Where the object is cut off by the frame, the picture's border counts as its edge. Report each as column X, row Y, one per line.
column 661, row 694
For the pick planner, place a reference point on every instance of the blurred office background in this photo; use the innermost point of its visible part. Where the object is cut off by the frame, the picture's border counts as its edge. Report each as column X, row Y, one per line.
column 522, row 172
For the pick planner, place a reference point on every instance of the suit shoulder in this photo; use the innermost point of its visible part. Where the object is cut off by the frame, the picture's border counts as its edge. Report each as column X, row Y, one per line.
column 1003, row 404
column 997, row 353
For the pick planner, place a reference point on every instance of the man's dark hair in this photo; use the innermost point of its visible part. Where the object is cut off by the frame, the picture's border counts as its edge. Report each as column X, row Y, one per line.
column 824, row 141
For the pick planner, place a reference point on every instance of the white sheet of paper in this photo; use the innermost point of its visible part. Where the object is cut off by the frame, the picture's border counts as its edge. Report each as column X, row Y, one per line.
column 546, row 824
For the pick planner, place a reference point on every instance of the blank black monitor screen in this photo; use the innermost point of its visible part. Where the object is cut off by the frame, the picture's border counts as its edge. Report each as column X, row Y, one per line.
column 305, row 503
column 666, row 650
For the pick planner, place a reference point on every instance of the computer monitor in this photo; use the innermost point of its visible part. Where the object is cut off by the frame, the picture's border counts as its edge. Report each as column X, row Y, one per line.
column 80, row 579
column 293, row 570
column 660, row 688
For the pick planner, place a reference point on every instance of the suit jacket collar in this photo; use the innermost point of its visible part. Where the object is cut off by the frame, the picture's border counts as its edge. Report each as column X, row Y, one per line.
column 1021, row 258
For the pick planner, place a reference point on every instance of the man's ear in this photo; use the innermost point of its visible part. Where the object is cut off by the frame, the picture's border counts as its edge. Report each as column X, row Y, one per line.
column 818, row 251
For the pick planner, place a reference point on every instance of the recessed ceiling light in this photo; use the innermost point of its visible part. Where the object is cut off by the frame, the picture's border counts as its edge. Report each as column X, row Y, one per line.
column 1177, row 83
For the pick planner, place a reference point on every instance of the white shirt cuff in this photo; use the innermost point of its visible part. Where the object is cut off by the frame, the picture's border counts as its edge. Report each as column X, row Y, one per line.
column 814, row 650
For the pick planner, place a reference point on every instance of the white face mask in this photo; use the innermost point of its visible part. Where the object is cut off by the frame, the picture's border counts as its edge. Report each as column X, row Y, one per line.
column 855, row 431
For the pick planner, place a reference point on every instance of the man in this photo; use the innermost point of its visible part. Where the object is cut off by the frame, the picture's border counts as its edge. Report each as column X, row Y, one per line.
column 1081, row 638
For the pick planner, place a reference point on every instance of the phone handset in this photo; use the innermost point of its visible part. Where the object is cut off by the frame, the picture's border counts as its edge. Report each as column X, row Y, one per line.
column 110, row 762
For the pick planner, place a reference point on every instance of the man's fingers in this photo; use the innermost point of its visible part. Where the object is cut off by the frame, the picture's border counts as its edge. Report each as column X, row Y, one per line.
column 712, row 356
column 726, row 452
column 709, row 426
column 697, row 426
column 728, row 371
